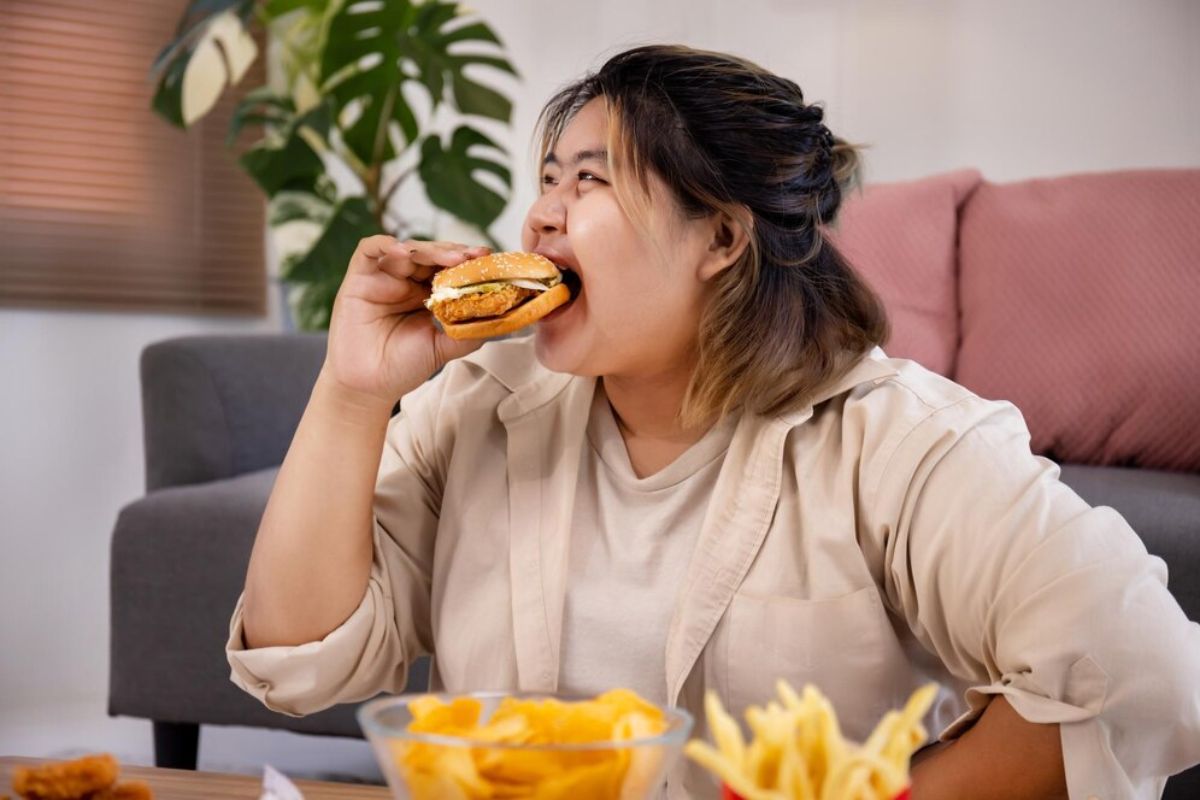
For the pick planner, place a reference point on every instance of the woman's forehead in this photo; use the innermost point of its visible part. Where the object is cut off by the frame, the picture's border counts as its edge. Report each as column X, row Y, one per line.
column 585, row 131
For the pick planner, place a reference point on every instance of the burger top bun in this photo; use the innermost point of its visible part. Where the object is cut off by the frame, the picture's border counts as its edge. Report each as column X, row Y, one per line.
column 496, row 267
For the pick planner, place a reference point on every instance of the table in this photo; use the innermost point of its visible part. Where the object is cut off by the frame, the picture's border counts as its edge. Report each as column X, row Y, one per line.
column 181, row 784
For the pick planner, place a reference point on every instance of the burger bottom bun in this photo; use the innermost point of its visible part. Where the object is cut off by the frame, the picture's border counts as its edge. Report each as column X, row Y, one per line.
column 524, row 314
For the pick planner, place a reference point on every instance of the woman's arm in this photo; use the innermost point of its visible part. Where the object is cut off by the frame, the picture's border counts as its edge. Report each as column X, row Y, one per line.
column 1021, row 588
column 312, row 555
column 1001, row 757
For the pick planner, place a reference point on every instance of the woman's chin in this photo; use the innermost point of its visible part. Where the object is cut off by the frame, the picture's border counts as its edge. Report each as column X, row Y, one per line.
column 558, row 339
column 551, row 351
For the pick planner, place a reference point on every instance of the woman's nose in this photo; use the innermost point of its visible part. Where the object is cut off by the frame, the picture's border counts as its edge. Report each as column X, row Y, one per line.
column 547, row 214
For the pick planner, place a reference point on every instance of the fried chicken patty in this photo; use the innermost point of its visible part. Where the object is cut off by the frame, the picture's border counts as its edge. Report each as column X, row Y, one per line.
column 66, row 780
column 482, row 305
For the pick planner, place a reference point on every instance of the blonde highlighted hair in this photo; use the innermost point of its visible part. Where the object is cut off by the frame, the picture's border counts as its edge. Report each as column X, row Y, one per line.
column 727, row 136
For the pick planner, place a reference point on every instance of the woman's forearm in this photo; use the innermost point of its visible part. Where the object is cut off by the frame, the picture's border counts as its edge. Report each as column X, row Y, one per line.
column 1002, row 756
column 312, row 556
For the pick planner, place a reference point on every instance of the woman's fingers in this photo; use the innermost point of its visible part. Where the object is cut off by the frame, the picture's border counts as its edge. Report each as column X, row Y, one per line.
column 368, row 253
column 416, row 260
column 384, row 287
column 401, row 266
column 422, row 259
column 391, row 272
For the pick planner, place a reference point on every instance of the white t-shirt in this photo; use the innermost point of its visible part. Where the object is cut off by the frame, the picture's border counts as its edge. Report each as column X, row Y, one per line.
column 631, row 542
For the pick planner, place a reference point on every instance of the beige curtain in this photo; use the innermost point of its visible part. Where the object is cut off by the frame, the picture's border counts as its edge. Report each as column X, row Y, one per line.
column 102, row 203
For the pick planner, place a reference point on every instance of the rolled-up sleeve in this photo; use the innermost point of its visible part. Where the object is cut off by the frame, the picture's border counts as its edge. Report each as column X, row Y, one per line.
column 369, row 652
column 1022, row 589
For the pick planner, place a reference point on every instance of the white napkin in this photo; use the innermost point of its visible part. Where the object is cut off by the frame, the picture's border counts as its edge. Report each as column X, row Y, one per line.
column 276, row 786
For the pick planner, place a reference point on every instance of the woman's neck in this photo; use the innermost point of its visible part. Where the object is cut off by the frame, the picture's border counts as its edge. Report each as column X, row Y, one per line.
column 647, row 408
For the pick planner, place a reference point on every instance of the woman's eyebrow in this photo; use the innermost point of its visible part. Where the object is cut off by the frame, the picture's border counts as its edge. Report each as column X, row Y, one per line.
column 580, row 157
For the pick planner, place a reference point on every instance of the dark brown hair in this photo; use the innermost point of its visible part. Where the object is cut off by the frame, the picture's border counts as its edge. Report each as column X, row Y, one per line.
column 726, row 135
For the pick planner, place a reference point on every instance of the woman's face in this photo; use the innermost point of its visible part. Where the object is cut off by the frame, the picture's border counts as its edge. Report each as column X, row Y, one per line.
column 638, row 311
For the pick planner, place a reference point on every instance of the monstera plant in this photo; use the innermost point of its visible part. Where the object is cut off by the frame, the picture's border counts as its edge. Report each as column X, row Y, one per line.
column 354, row 87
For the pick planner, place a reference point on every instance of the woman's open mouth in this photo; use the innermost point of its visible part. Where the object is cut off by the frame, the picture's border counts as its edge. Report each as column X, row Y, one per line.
column 574, row 285
column 571, row 279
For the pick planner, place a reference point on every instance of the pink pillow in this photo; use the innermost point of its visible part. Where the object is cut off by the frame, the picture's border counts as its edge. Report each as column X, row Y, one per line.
column 900, row 238
column 1080, row 297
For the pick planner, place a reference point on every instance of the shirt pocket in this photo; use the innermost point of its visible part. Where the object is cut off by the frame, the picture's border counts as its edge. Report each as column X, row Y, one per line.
column 845, row 646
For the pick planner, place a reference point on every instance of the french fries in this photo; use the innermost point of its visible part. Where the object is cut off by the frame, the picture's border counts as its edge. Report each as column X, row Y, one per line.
column 798, row 753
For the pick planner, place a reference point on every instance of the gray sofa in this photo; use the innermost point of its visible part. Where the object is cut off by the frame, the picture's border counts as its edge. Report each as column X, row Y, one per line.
column 219, row 414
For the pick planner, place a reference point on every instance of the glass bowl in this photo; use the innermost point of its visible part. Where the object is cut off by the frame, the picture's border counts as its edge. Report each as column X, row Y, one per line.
column 424, row 766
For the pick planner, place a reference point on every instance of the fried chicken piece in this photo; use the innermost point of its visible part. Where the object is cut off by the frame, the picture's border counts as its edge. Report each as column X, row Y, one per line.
column 66, row 780
column 125, row 790
column 482, row 305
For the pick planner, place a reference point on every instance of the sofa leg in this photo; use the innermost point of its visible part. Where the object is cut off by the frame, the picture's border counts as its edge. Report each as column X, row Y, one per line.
column 176, row 744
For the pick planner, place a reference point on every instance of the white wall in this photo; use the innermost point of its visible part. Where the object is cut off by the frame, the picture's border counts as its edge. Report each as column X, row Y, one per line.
column 71, row 438
column 1016, row 88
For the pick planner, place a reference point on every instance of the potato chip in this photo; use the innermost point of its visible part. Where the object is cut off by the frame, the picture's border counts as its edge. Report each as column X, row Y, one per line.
column 487, row 765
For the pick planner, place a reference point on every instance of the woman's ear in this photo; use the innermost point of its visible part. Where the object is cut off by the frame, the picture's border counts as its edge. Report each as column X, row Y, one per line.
column 730, row 238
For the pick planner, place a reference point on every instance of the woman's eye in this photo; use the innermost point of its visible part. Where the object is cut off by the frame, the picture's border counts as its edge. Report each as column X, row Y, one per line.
column 587, row 177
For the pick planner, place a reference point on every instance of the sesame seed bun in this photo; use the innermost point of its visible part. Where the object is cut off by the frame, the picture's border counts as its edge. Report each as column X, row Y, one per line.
column 525, row 314
column 496, row 267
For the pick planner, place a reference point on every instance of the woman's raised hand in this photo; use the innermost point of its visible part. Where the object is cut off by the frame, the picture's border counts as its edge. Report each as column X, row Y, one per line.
column 382, row 341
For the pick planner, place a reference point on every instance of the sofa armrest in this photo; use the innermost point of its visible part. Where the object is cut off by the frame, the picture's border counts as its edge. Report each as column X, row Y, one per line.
column 215, row 407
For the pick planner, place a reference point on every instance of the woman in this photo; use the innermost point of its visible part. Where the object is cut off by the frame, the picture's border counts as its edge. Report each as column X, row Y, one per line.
column 703, row 473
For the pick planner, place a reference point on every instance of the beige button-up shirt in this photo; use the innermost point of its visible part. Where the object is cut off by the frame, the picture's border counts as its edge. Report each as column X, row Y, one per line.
column 896, row 530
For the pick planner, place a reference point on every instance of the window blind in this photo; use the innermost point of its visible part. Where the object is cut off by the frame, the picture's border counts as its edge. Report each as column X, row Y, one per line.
column 103, row 204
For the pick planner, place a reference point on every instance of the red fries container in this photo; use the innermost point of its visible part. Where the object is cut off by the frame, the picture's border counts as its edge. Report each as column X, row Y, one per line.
column 730, row 794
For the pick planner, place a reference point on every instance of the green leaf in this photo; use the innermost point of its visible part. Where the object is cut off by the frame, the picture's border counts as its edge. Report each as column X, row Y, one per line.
column 277, row 8
column 260, row 107
column 430, row 45
column 350, row 221
column 449, row 177
column 212, row 51
column 463, row 59
column 288, row 161
column 401, row 41
column 361, row 135
column 473, row 98
column 433, row 15
column 293, row 206
column 403, row 115
column 313, row 308
column 167, row 94
column 358, row 31
column 200, row 12
column 431, row 67
column 320, row 271
column 475, row 32
column 293, row 166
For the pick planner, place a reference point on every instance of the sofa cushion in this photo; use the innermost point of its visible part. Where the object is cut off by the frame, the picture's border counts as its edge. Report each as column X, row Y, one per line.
column 218, row 406
column 1079, row 297
column 901, row 238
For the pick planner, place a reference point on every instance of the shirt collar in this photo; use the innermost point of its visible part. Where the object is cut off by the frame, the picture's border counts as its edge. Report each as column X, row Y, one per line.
column 532, row 386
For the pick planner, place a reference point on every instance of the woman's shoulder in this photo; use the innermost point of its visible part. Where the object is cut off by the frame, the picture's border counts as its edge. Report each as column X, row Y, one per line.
column 886, row 401
column 909, row 391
